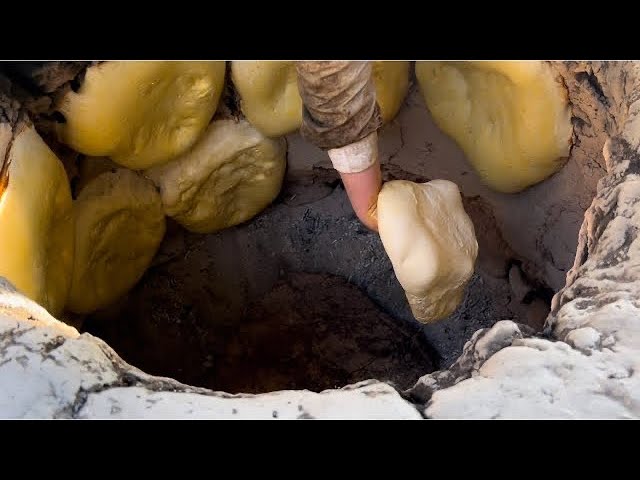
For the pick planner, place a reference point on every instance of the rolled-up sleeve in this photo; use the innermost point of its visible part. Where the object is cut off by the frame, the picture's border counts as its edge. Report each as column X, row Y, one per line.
column 340, row 113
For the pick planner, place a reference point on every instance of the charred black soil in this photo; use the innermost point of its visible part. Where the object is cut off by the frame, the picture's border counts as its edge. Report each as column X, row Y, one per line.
column 301, row 297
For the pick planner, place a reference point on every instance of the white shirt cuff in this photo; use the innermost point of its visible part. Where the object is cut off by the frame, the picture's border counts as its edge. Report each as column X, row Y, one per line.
column 357, row 156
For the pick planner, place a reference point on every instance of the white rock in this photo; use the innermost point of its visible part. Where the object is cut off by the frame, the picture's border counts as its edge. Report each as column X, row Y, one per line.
column 369, row 400
column 584, row 338
column 535, row 379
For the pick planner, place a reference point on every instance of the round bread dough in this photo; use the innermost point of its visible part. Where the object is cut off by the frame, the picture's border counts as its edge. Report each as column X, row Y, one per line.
column 269, row 95
column 227, row 178
column 141, row 113
column 391, row 80
column 36, row 221
column 119, row 227
column 511, row 118
column 271, row 101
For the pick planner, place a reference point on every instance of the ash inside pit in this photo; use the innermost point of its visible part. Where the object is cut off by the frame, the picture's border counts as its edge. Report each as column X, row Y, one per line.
column 311, row 331
column 269, row 305
column 301, row 297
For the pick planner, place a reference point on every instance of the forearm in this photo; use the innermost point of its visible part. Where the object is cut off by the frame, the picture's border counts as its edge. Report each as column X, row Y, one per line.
column 359, row 170
column 362, row 189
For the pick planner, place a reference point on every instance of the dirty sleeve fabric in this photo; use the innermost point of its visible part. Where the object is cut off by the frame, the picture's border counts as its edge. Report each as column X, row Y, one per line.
column 340, row 111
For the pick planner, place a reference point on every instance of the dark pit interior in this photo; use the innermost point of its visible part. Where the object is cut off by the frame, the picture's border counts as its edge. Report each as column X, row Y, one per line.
column 300, row 297
column 281, row 302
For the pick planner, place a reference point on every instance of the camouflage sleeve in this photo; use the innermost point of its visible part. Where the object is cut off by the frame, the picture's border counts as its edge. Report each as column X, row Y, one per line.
column 340, row 107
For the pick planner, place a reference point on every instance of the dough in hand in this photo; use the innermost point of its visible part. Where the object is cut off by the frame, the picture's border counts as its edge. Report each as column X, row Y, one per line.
column 36, row 220
column 431, row 243
column 511, row 118
column 119, row 227
column 228, row 177
column 141, row 113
